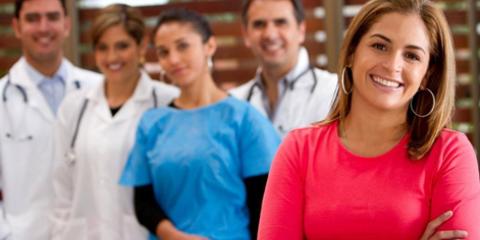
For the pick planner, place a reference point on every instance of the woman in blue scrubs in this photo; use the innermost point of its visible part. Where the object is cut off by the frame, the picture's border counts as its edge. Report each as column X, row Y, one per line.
column 199, row 166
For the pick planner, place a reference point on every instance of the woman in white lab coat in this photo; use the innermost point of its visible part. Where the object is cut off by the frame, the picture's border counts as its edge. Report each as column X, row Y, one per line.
column 96, row 130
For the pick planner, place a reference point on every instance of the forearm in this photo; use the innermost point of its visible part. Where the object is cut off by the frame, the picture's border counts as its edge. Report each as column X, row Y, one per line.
column 255, row 188
column 147, row 210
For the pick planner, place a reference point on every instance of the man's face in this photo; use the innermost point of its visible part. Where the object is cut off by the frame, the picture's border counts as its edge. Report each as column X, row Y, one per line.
column 273, row 34
column 42, row 28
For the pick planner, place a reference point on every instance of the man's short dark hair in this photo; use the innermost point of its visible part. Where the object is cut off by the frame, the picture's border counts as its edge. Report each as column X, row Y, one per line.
column 298, row 10
column 19, row 4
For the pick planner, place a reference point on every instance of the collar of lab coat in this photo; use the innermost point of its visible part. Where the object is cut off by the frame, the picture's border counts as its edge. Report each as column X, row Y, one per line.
column 303, row 63
column 142, row 93
column 19, row 76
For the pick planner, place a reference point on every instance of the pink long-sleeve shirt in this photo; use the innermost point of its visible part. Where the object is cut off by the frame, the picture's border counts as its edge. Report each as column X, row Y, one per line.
column 317, row 189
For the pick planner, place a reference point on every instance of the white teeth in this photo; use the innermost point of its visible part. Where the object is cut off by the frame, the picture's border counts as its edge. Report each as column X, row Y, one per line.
column 44, row 40
column 115, row 66
column 385, row 82
column 271, row 47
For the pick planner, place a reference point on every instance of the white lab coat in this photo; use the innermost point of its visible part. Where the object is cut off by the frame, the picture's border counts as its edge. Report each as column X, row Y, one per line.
column 26, row 165
column 298, row 107
column 89, row 202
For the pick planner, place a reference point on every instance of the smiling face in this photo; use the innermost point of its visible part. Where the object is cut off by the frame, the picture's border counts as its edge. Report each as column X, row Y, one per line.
column 182, row 54
column 118, row 55
column 390, row 63
column 273, row 34
column 42, row 28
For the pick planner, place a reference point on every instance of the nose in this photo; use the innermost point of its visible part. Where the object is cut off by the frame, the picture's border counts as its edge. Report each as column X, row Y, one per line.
column 43, row 23
column 111, row 55
column 394, row 62
column 270, row 31
column 173, row 58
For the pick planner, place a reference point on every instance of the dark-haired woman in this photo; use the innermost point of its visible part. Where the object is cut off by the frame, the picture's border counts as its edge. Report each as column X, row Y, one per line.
column 199, row 165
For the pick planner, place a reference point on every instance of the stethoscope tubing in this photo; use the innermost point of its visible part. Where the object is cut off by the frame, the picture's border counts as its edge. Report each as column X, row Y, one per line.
column 291, row 86
column 71, row 153
column 24, row 96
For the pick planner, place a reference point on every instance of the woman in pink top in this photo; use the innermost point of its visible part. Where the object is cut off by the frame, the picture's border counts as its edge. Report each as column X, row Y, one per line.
column 383, row 165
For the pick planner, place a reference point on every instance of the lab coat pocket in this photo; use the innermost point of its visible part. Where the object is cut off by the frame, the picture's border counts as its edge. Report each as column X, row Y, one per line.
column 75, row 229
column 132, row 228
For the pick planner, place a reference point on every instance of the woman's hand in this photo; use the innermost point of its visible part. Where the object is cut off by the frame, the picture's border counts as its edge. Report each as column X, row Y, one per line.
column 431, row 232
column 167, row 231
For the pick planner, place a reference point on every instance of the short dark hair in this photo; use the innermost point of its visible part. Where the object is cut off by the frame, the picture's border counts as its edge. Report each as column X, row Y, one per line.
column 19, row 4
column 298, row 10
column 182, row 15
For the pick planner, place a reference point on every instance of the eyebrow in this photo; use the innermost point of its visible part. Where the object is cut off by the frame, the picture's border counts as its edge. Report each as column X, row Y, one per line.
column 179, row 40
column 377, row 35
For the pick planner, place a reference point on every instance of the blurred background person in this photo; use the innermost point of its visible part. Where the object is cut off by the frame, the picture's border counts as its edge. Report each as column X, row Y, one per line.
column 31, row 92
column 199, row 165
column 96, row 130
column 384, row 163
column 287, row 88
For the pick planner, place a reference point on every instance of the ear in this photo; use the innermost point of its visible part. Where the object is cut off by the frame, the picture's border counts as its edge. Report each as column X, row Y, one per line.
column 16, row 27
column 302, row 27
column 211, row 46
column 143, row 47
column 350, row 61
column 67, row 25
column 246, row 39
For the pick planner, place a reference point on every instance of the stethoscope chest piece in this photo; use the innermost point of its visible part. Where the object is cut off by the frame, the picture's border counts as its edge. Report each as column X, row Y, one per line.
column 70, row 157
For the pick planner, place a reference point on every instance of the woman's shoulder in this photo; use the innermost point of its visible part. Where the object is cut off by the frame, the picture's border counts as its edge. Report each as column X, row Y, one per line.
column 155, row 116
column 233, row 107
column 315, row 132
column 450, row 137
column 452, row 145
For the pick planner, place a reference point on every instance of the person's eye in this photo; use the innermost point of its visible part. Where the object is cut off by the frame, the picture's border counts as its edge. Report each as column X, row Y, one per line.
column 182, row 46
column 281, row 22
column 53, row 17
column 122, row 45
column 412, row 56
column 32, row 17
column 101, row 47
column 258, row 24
column 379, row 46
column 162, row 53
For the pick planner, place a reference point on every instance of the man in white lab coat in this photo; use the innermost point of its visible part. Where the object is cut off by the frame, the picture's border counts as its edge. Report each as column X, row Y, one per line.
column 287, row 88
column 30, row 95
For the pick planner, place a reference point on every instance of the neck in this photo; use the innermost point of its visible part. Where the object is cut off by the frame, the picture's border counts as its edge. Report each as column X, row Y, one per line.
column 200, row 93
column 118, row 92
column 271, row 75
column 370, row 132
column 46, row 68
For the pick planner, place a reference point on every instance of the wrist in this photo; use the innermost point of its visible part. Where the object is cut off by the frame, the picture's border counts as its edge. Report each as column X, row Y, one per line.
column 165, row 229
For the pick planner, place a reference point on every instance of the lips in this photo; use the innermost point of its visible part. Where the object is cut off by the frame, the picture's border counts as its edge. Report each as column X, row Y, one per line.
column 44, row 39
column 177, row 71
column 387, row 83
column 114, row 66
column 271, row 46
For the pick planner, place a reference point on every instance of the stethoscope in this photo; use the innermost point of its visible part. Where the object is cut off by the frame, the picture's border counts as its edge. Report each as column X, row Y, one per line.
column 70, row 154
column 12, row 134
column 291, row 85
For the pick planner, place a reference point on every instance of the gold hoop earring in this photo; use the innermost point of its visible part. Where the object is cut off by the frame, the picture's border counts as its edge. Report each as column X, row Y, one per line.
column 431, row 109
column 342, row 81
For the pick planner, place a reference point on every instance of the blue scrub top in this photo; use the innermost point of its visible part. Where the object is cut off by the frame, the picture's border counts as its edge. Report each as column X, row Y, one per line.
column 197, row 161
